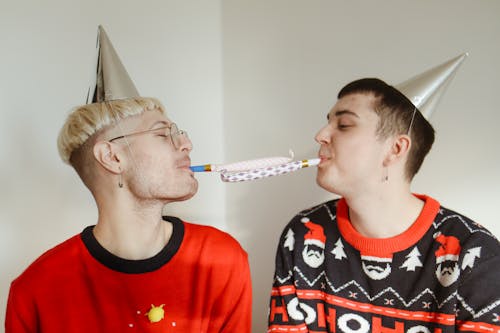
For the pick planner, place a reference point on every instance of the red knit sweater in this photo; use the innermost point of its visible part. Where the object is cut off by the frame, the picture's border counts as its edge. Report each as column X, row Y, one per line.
column 199, row 282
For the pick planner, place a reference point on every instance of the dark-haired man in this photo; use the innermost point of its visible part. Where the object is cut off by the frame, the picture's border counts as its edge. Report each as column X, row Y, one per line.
column 394, row 261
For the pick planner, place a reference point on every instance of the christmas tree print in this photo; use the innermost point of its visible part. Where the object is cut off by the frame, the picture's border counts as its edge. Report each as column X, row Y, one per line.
column 289, row 240
column 412, row 260
column 338, row 250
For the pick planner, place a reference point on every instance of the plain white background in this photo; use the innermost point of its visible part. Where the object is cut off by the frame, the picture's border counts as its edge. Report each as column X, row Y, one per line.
column 247, row 79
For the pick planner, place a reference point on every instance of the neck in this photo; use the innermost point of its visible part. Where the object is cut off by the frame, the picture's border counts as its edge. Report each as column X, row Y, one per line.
column 386, row 213
column 132, row 231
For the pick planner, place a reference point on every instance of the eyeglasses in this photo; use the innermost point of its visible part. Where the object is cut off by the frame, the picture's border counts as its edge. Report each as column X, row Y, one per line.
column 176, row 135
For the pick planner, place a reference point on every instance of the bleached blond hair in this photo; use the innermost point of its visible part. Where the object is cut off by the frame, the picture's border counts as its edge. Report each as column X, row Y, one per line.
column 85, row 121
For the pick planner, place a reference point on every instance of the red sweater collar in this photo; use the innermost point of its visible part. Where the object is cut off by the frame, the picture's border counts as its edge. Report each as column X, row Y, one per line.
column 385, row 247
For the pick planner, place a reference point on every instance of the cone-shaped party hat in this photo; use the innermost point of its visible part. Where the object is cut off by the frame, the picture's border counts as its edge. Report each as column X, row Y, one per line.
column 425, row 90
column 112, row 80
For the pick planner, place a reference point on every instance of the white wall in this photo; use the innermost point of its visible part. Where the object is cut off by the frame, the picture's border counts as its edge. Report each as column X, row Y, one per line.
column 171, row 49
column 246, row 79
column 285, row 61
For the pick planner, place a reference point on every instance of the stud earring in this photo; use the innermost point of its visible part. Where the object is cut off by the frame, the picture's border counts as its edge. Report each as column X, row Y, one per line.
column 385, row 178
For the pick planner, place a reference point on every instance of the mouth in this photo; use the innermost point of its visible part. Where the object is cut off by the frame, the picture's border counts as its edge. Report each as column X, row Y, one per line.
column 185, row 163
column 322, row 159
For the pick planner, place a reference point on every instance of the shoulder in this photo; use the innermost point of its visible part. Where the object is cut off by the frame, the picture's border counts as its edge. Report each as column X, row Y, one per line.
column 470, row 234
column 323, row 213
column 50, row 262
column 320, row 216
column 461, row 226
column 208, row 238
column 213, row 250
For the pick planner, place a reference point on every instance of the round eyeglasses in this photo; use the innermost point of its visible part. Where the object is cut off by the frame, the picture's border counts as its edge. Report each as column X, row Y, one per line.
column 176, row 135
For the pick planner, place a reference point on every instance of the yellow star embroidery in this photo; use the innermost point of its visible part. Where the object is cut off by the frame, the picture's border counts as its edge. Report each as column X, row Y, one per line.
column 156, row 313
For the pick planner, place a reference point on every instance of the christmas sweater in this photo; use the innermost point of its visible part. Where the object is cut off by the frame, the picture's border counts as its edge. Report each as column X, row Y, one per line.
column 440, row 275
column 199, row 282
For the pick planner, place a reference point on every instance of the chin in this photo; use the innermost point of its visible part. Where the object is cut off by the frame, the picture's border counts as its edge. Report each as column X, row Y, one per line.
column 328, row 179
column 191, row 192
column 324, row 183
column 328, row 186
column 180, row 197
column 186, row 197
column 182, row 192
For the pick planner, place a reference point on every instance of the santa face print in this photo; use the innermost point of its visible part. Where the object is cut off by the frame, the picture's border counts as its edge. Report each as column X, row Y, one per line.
column 313, row 255
column 314, row 243
column 447, row 272
column 376, row 268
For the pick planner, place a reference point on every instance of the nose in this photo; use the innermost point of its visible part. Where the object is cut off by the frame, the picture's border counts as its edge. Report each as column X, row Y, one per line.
column 185, row 143
column 323, row 136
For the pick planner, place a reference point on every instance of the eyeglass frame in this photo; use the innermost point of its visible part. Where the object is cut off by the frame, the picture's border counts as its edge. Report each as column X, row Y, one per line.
column 175, row 142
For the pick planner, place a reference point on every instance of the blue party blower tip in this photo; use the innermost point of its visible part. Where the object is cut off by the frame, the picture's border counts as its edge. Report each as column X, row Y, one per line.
column 200, row 168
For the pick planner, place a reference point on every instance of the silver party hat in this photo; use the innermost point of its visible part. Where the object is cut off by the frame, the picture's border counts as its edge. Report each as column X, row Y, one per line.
column 425, row 90
column 112, row 80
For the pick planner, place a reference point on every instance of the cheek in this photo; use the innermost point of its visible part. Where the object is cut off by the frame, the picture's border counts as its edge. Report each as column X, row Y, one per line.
column 146, row 163
column 349, row 154
column 152, row 167
column 362, row 150
column 156, row 159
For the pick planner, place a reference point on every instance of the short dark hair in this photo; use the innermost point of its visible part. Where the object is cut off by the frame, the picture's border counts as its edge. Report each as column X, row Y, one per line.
column 396, row 111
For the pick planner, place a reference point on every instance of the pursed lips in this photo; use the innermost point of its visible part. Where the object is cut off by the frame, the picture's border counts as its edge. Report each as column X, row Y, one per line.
column 323, row 157
column 184, row 163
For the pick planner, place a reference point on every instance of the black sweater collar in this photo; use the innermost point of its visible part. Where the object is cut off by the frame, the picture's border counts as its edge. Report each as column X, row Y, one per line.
column 135, row 266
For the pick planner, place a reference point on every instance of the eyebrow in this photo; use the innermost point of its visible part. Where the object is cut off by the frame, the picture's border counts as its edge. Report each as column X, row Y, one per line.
column 341, row 113
column 160, row 122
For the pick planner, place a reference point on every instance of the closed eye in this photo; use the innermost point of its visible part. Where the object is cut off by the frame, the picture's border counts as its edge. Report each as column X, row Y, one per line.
column 343, row 126
column 162, row 131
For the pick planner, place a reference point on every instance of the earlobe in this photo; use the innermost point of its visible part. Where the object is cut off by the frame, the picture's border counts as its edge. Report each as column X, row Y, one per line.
column 107, row 155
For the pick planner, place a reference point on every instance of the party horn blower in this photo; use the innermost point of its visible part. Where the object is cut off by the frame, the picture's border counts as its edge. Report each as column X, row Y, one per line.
column 243, row 165
column 267, row 171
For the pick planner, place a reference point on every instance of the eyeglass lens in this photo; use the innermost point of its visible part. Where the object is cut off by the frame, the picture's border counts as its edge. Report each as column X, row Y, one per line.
column 176, row 135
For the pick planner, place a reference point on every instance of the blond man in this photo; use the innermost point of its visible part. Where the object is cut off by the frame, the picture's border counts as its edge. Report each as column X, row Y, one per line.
column 134, row 270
